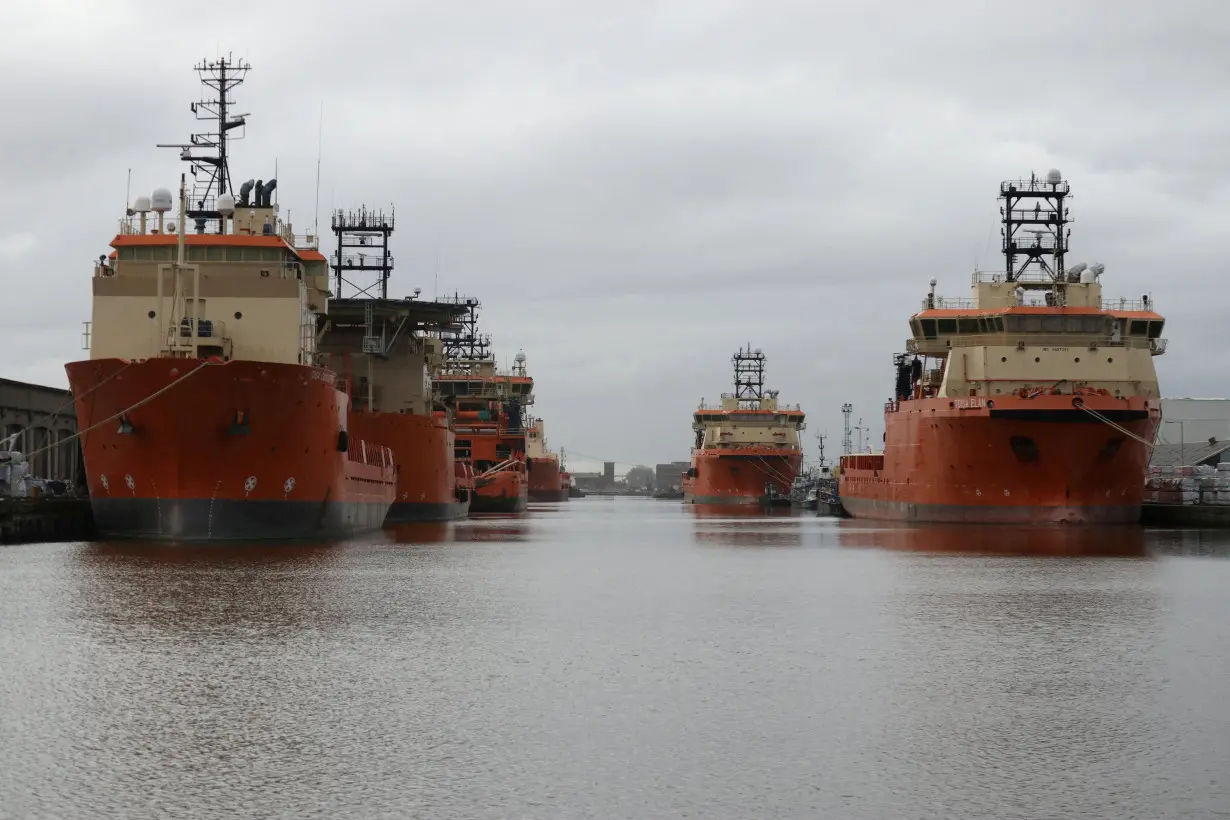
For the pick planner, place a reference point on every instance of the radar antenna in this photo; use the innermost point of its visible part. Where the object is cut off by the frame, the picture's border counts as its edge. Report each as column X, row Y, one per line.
column 210, row 171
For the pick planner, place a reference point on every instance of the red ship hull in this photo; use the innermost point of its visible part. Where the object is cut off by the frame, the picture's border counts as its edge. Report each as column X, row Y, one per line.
column 1010, row 460
column 740, row 476
column 546, row 481
column 503, row 492
column 427, row 483
column 187, row 449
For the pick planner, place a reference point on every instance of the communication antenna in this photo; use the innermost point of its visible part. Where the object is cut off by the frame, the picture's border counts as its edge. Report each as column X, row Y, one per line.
column 320, row 131
column 847, row 444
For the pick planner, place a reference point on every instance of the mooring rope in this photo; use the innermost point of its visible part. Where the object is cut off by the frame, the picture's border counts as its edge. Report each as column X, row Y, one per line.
column 126, row 410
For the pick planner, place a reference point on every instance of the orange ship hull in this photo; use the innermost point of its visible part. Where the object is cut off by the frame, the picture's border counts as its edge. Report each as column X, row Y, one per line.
column 741, row 476
column 1010, row 460
column 189, row 449
column 427, row 482
column 504, row 492
column 546, row 481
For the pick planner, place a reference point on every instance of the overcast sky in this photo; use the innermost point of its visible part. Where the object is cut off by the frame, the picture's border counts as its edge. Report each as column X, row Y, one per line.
column 636, row 189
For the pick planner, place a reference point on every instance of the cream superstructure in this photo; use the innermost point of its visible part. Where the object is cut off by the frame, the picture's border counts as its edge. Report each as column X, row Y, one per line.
column 1008, row 338
column 732, row 425
column 751, row 415
column 250, row 289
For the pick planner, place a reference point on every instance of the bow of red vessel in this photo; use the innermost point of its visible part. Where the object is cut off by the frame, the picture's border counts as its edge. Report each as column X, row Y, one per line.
column 1033, row 401
column 746, row 449
column 204, row 410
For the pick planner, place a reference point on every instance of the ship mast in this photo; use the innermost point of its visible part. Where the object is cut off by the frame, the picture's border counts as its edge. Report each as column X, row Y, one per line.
column 1039, row 206
column 749, row 377
column 466, row 344
column 207, row 150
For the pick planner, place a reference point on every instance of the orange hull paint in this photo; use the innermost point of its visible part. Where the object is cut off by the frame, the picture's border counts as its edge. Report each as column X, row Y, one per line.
column 1039, row 460
column 505, row 491
column 185, row 470
column 740, row 476
column 546, row 481
column 427, row 480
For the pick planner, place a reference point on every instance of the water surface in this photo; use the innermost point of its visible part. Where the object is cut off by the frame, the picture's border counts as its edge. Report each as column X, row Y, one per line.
column 622, row 658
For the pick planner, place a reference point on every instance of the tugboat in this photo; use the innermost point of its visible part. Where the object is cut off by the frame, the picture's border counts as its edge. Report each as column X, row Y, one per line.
column 1033, row 402
column 387, row 350
column 205, row 410
column 746, row 449
column 489, row 411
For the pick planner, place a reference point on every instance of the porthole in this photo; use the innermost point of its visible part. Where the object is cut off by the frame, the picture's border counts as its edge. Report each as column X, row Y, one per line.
column 238, row 315
column 1036, row 359
column 151, row 314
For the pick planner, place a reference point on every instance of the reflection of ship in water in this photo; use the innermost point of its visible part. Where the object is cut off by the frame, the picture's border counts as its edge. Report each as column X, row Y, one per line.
column 189, row 588
column 1211, row 543
column 416, row 533
column 1109, row 541
column 493, row 527
column 742, row 526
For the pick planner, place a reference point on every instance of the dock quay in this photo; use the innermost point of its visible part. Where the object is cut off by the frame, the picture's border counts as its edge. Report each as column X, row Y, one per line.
column 46, row 518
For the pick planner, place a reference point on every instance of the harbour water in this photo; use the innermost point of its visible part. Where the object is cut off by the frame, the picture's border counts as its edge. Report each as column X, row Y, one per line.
column 622, row 658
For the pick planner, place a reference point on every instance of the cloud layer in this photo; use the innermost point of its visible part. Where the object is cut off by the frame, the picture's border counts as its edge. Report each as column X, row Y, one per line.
column 634, row 190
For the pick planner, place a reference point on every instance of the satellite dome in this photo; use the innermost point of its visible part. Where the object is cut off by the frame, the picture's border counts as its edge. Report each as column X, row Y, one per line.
column 1077, row 268
column 519, row 358
column 1097, row 268
column 160, row 200
column 934, row 281
column 757, row 352
column 1053, row 176
column 141, row 204
column 226, row 204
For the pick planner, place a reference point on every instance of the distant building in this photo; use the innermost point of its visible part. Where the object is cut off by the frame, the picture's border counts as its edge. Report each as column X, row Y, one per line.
column 41, row 422
column 1193, row 431
column 669, row 475
column 588, row 481
column 608, row 474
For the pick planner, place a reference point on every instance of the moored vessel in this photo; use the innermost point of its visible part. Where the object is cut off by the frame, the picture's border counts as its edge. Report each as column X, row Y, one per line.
column 747, row 448
column 1035, row 401
column 547, row 479
column 488, row 408
column 205, row 410
column 386, row 350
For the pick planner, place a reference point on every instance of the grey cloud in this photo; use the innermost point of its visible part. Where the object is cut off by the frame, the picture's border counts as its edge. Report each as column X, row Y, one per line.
column 634, row 190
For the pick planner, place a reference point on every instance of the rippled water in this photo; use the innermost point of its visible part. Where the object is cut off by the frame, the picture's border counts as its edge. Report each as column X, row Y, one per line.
column 622, row 658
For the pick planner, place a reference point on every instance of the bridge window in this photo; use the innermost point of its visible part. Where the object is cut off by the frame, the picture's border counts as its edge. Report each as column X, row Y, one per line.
column 947, row 325
column 1052, row 324
column 967, row 325
column 1139, row 328
column 1092, row 324
column 1032, row 324
column 928, row 328
column 1155, row 330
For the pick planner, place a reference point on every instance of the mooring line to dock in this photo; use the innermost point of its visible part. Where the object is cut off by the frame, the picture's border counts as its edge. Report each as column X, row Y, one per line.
column 1115, row 426
column 55, row 414
column 125, row 411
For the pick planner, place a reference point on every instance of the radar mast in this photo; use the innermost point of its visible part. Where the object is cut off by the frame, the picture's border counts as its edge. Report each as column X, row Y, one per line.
column 1039, row 207
column 207, row 150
